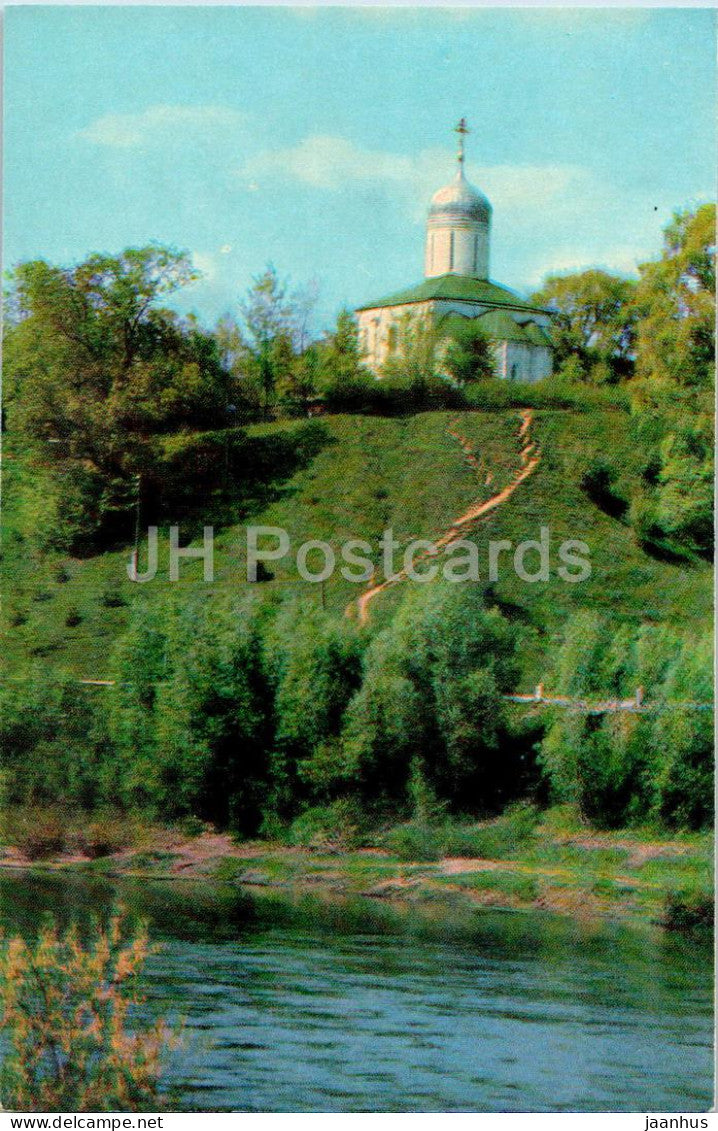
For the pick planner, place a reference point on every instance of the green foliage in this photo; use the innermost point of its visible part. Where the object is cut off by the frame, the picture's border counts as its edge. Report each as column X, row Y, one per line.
column 689, row 911
column 315, row 666
column 622, row 767
column 468, row 355
column 54, row 743
column 506, row 837
column 599, row 483
column 189, row 720
column 74, row 1015
column 676, row 302
column 335, row 827
column 594, row 322
column 94, row 371
column 339, row 359
column 414, row 842
column 432, row 689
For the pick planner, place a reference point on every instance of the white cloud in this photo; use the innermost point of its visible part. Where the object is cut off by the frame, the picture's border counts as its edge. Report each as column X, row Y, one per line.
column 333, row 163
column 328, row 162
column 129, row 131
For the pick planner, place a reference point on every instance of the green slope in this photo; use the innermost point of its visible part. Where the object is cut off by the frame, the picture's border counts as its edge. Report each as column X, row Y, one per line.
column 372, row 473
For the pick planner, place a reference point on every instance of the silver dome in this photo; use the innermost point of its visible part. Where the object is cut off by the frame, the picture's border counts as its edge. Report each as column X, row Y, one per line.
column 460, row 200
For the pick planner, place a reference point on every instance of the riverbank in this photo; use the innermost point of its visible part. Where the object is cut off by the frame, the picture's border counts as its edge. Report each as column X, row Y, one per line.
column 557, row 865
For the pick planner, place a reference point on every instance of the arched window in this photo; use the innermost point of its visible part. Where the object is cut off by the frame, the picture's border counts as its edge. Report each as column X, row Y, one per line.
column 451, row 250
column 391, row 338
column 476, row 253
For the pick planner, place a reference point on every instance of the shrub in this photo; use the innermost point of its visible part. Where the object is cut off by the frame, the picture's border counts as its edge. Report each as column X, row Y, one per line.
column 499, row 840
column 38, row 833
column 599, row 482
column 106, row 834
column 73, row 617
column 66, row 1006
column 113, row 599
column 414, row 841
column 523, row 888
column 331, row 827
column 688, row 911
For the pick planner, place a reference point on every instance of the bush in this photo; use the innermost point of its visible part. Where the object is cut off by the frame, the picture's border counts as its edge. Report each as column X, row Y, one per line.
column 113, row 599
column 598, row 481
column 106, row 834
column 500, row 840
column 38, row 833
column 414, row 841
column 688, row 911
column 66, row 1007
column 334, row 827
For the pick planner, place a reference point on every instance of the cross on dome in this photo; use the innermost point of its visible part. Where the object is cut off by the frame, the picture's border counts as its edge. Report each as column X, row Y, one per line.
column 462, row 130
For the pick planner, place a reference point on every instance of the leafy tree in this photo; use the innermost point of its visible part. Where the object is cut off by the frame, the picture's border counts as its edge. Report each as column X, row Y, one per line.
column 54, row 745
column 685, row 484
column 275, row 327
column 95, row 370
column 191, row 723
column 316, row 666
column 594, row 317
column 618, row 766
column 339, row 359
column 675, row 300
column 468, row 355
column 432, row 689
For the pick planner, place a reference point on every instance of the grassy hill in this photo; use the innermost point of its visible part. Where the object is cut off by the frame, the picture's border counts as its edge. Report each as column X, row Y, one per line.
column 369, row 473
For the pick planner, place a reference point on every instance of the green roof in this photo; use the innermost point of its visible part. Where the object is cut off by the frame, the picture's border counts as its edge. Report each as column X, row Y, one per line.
column 457, row 287
column 501, row 326
column 538, row 335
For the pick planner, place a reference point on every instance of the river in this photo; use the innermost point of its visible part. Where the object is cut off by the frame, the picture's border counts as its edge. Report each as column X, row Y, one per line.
column 305, row 1004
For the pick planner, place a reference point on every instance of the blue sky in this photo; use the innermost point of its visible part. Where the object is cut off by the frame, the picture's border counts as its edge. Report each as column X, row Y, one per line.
column 313, row 138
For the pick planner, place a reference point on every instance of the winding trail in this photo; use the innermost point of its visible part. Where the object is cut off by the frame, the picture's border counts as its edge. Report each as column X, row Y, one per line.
column 529, row 458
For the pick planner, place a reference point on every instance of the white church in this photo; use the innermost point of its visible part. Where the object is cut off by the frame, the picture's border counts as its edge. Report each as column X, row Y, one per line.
column 457, row 285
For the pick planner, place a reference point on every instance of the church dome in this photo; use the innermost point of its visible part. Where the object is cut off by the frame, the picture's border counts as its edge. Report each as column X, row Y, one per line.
column 459, row 200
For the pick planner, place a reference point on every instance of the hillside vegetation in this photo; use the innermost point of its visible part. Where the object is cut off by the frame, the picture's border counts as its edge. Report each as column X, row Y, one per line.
column 370, row 474
column 278, row 706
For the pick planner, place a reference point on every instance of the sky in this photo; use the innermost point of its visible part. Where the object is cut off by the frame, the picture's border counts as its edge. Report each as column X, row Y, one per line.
column 313, row 138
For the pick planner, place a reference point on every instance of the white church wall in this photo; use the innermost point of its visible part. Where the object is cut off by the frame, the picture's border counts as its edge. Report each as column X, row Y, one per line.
column 457, row 248
column 541, row 363
column 380, row 330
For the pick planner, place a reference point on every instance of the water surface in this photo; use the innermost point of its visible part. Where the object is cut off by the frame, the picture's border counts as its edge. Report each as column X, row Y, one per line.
column 307, row 1005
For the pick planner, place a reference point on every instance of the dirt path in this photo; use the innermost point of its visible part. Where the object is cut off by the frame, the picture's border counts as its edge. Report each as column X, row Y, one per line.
column 529, row 458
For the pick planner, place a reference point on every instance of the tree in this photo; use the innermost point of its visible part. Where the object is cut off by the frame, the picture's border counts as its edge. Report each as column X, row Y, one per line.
column 95, row 369
column 594, row 317
column 73, row 1013
column 469, row 355
column 316, row 664
column 275, row 327
column 190, row 724
column 339, row 359
column 675, row 300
